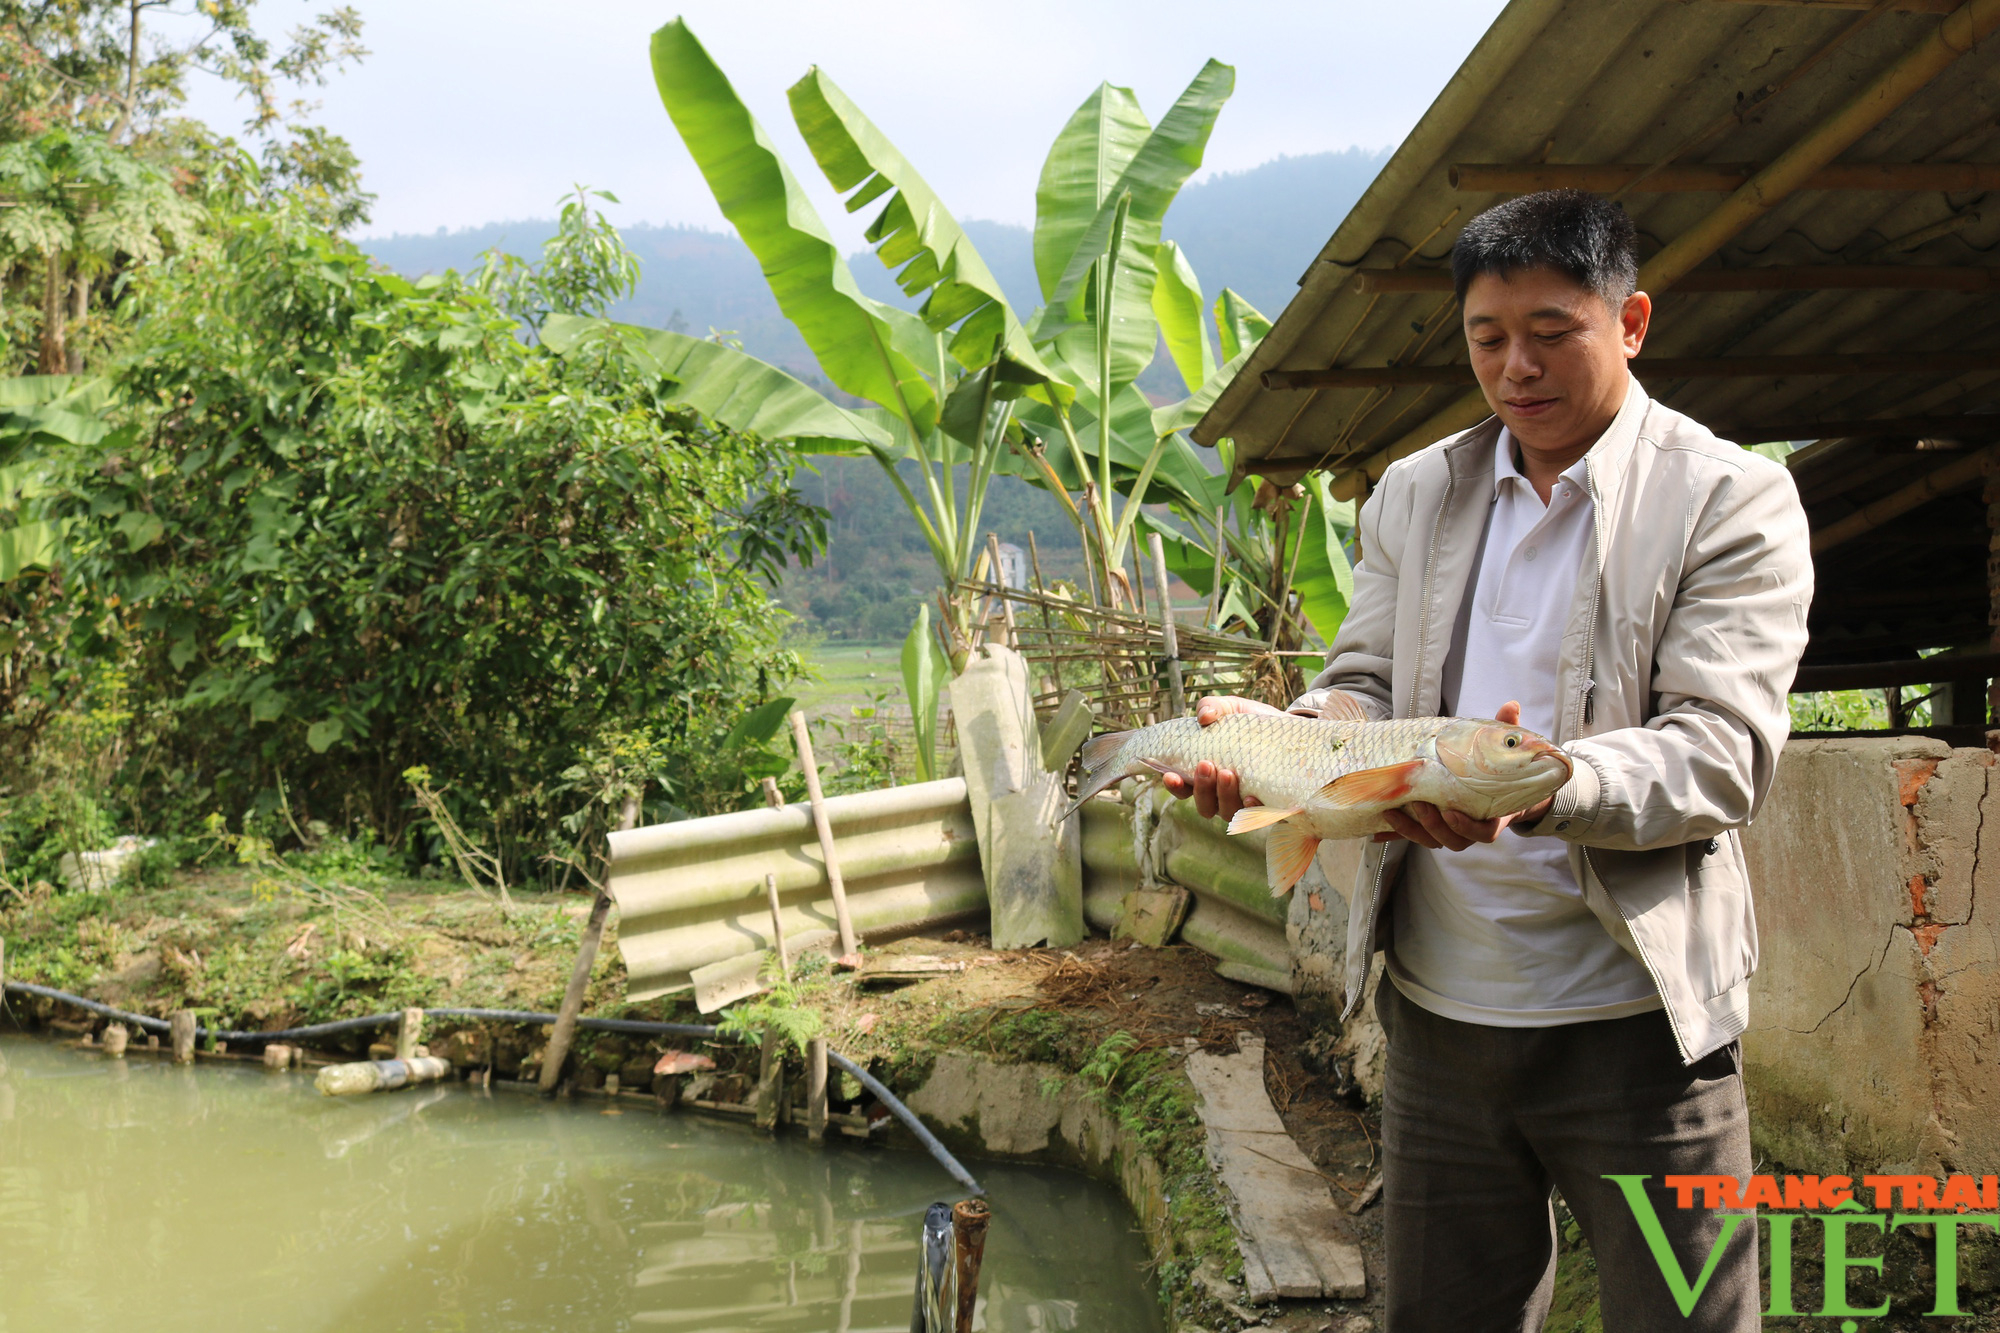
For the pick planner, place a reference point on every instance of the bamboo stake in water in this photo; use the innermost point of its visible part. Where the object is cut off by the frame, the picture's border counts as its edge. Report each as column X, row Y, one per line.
column 1169, row 633
column 816, row 1090
column 564, row 1031
column 849, row 954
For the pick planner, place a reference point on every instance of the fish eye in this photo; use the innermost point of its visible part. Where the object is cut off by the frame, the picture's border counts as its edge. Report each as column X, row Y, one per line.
column 1513, row 740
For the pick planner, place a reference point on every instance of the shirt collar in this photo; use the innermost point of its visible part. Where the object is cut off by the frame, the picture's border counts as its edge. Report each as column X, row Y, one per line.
column 1504, row 468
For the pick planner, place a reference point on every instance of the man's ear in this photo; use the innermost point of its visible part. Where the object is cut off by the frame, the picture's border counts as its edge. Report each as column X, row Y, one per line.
column 1633, row 320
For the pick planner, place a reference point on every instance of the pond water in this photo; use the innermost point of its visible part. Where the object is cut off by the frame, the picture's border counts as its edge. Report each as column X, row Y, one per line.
column 134, row 1194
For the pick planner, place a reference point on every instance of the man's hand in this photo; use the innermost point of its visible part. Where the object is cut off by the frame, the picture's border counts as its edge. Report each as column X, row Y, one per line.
column 1216, row 790
column 1453, row 830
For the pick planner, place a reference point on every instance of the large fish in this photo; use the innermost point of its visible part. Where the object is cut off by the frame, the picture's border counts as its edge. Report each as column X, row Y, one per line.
column 1324, row 778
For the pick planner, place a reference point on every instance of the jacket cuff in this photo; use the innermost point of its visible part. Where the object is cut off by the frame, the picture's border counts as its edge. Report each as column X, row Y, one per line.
column 1576, row 805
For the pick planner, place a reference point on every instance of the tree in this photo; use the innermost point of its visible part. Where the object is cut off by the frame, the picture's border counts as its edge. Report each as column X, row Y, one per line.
column 88, row 119
column 351, row 524
column 77, row 206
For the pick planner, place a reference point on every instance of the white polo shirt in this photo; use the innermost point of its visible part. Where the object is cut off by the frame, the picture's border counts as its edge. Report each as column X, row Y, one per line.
column 1499, row 933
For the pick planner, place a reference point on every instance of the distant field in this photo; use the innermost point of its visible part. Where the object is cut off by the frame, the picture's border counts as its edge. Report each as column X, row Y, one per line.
column 848, row 674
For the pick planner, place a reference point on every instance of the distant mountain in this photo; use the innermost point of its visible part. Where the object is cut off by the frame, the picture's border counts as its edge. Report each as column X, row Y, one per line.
column 1253, row 230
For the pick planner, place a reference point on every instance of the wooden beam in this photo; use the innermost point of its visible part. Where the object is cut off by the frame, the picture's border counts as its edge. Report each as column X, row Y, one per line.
column 1974, row 426
column 1950, row 477
column 1716, row 177
column 1659, row 368
column 1942, row 670
column 1901, row 6
column 1776, row 278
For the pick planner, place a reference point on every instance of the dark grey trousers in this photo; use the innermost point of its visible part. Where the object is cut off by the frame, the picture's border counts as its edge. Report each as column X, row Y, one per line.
column 1479, row 1124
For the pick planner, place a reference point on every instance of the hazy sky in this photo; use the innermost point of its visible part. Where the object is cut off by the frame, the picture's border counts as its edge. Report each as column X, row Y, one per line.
column 475, row 112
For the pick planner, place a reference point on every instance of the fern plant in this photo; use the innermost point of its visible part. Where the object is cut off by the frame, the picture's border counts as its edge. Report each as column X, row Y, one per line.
column 786, row 1009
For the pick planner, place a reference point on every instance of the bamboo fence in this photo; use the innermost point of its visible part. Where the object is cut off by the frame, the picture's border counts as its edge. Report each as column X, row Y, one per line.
column 1119, row 656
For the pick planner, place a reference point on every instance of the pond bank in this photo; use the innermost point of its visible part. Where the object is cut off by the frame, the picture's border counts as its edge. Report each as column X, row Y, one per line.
column 1107, row 1024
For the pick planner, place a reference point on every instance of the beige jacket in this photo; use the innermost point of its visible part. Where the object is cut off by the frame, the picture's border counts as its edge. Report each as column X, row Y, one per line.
column 1676, row 660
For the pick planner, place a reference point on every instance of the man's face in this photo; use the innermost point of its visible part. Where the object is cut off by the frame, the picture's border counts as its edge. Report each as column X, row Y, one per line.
column 1550, row 355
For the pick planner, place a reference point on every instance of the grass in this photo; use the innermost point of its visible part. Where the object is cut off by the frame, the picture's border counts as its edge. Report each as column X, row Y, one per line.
column 849, row 673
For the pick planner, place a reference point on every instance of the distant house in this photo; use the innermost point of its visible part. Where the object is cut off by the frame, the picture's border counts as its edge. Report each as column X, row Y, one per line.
column 1013, row 566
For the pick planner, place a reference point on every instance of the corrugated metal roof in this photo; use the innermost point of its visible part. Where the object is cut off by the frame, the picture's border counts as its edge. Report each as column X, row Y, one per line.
column 1635, row 81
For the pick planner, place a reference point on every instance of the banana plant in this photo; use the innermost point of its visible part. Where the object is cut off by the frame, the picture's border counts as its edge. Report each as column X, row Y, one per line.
column 965, row 385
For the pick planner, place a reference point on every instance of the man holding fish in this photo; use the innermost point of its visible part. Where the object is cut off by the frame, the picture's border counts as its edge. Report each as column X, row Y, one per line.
column 1617, row 601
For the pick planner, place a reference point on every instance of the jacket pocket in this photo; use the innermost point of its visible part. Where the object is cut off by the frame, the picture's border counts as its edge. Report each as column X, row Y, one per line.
column 1721, row 930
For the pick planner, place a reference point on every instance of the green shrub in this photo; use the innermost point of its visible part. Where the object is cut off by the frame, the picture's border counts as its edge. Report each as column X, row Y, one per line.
column 350, row 524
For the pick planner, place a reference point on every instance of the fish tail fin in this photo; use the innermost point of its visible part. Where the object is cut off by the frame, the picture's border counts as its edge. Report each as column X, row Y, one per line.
column 1101, row 767
column 1289, row 848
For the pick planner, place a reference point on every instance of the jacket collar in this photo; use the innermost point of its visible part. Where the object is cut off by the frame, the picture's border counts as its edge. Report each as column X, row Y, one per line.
column 1608, row 460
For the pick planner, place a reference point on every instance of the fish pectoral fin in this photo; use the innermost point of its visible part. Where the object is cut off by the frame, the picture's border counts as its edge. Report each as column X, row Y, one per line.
column 1340, row 706
column 1253, row 817
column 1288, row 851
column 1387, row 785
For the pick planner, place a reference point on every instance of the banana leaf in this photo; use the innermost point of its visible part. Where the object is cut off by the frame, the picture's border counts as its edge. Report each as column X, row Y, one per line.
column 914, row 232
column 1177, row 304
column 1238, row 323
column 1324, row 580
column 872, row 350
column 729, row 387
column 1080, row 173
column 1184, row 414
column 1154, row 175
column 925, row 669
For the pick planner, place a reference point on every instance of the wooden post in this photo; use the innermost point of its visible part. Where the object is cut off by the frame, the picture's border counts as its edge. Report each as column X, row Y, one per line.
column 849, row 953
column 1169, row 632
column 816, row 1090
column 181, row 1026
column 408, row 1033
column 770, row 1094
column 968, row 1231
column 115, row 1038
column 579, row 978
column 772, row 796
column 3, row 967
column 1000, row 581
column 778, row 928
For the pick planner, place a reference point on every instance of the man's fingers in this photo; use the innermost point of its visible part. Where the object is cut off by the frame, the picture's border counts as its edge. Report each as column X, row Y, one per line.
column 1474, row 830
column 1438, row 827
column 1214, row 707
column 1177, row 785
column 1403, row 826
column 1509, row 714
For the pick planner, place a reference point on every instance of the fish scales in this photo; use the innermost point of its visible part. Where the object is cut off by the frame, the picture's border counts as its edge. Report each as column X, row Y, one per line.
column 1283, row 760
column 1319, row 778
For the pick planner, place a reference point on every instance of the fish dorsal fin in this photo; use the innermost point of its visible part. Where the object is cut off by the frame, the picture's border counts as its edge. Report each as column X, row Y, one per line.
column 1385, row 786
column 1340, row 706
column 1288, row 853
column 1253, row 817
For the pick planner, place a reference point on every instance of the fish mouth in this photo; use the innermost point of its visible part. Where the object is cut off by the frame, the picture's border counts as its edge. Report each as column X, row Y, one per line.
column 1549, row 750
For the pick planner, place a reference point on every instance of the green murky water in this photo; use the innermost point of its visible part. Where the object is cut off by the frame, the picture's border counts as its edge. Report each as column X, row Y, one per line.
column 137, row 1195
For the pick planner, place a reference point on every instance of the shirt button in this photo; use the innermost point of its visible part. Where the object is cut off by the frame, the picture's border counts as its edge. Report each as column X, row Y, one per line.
column 1711, row 847
column 1530, row 553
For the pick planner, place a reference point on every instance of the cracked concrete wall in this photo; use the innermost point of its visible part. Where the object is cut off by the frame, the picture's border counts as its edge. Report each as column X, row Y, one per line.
column 1874, row 1039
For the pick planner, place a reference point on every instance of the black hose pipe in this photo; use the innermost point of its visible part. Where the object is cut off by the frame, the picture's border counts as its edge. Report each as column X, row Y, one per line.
column 867, row 1080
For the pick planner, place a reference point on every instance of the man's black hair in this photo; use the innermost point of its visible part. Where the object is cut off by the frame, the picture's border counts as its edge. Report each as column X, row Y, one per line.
column 1573, row 232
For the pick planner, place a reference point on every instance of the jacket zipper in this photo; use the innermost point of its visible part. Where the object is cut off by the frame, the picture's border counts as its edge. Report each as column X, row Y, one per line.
column 1416, row 675
column 1588, row 702
column 1587, row 709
